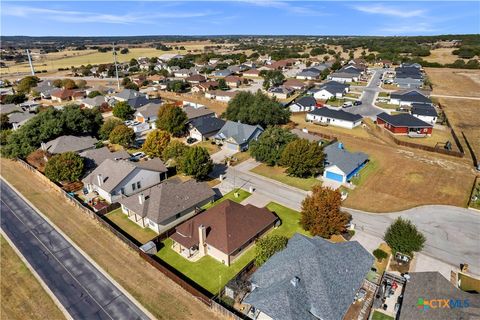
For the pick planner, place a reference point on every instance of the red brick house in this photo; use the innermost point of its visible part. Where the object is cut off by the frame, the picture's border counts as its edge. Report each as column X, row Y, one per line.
column 404, row 124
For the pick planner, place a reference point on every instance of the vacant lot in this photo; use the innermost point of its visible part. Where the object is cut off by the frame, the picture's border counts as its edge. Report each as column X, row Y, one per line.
column 442, row 55
column 156, row 292
column 455, row 82
column 22, row 297
column 278, row 173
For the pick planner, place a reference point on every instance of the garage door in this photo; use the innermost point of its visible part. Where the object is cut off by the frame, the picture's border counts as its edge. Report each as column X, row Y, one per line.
column 334, row 176
column 231, row 146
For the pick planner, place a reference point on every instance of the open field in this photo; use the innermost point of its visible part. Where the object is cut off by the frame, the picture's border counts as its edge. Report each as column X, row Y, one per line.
column 142, row 235
column 214, row 105
column 278, row 173
column 151, row 288
column 439, row 135
column 22, row 297
column 455, row 82
column 442, row 55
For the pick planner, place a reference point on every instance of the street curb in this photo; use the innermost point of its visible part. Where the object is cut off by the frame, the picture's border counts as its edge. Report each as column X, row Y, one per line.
column 89, row 259
column 37, row 276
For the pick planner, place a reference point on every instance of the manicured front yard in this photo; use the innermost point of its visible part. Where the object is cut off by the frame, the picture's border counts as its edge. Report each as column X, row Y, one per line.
column 212, row 148
column 377, row 315
column 242, row 195
column 385, row 105
column 240, row 157
column 121, row 220
column 290, row 221
column 278, row 173
column 207, row 272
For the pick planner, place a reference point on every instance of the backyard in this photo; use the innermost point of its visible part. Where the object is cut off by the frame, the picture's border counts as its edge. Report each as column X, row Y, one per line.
column 371, row 166
column 299, row 119
column 120, row 219
column 377, row 315
column 278, row 173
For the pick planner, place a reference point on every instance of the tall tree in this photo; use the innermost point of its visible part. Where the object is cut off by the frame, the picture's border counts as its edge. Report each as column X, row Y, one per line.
column 122, row 135
column 272, row 78
column 402, row 236
column 156, row 142
column 270, row 145
column 108, row 126
column 321, row 212
column 123, row 111
column 255, row 109
column 174, row 151
column 196, row 162
column 65, row 167
column 302, row 158
column 27, row 83
column 172, row 119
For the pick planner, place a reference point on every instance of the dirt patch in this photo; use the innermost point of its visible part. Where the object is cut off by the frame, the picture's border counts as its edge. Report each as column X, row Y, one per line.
column 454, row 82
column 442, row 55
column 156, row 292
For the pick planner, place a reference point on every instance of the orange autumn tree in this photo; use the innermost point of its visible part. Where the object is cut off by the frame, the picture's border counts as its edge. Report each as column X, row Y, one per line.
column 321, row 214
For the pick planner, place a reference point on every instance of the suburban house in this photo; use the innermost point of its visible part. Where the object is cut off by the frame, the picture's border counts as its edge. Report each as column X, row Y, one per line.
column 294, row 84
column 252, row 73
column 233, row 81
column 408, row 97
column 9, row 108
column 309, row 74
column 18, row 119
column 165, row 205
column 425, row 287
column 148, row 114
column 69, row 144
column 221, row 73
column 182, row 73
column 424, row 112
column 127, row 94
column 169, row 56
column 197, row 112
column 346, row 74
column 237, row 136
column 408, row 77
column 94, row 157
column 280, row 92
column 94, row 102
column 341, row 165
column 62, row 95
column 311, row 278
column 331, row 89
column 203, row 128
column 219, row 95
column 223, row 232
column 45, row 89
column 205, row 86
column 196, row 79
column 404, row 124
column 338, row 118
column 114, row 179
column 306, row 103
column 99, row 88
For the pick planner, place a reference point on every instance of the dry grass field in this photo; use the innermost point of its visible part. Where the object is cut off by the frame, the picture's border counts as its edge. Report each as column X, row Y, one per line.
column 442, row 55
column 22, row 297
column 455, row 82
column 152, row 289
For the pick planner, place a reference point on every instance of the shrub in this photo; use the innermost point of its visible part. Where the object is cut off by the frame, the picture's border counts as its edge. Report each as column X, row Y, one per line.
column 380, row 254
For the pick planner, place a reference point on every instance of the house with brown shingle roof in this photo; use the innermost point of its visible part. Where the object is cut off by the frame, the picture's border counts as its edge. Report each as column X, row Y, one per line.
column 233, row 81
column 196, row 79
column 223, row 232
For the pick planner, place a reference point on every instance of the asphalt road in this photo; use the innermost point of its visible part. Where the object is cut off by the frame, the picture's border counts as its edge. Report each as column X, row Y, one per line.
column 452, row 233
column 82, row 289
column 370, row 92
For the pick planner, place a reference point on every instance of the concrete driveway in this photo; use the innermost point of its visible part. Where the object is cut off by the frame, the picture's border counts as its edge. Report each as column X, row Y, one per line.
column 220, row 156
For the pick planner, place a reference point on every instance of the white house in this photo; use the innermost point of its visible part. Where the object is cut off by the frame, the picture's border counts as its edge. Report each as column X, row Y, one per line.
column 338, row 118
column 115, row 179
column 148, row 114
column 331, row 89
column 307, row 103
column 424, row 112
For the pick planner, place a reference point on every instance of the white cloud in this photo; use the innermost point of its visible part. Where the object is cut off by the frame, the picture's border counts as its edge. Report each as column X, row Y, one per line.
column 82, row 17
column 287, row 6
column 415, row 28
column 389, row 11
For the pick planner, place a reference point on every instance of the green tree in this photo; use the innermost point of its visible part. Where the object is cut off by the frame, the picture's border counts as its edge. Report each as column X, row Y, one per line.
column 402, row 236
column 380, row 254
column 172, row 119
column 156, row 142
column 123, row 111
column 81, row 84
column 94, row 94
column 122, row 135
column 272, row 78
column 65, row 167
column 108, row 126
column 269, row 146
column 196, row 162
column 58, row 83
column 76, row 120
column 267, row 246
column 27, row 83
column 4, row 122
column 302, row 158
column 174, row 151
column 4, row 134
column 124, row 51
column 69, row 84
column 321, row 213
column 14, row 98
column 222, row 84
column 256, row 109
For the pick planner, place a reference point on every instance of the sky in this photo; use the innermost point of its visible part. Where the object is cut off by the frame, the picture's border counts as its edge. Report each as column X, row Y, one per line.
column 253, row 17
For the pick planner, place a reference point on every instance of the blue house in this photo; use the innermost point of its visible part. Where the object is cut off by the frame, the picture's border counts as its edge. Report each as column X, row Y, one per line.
column 341, row 165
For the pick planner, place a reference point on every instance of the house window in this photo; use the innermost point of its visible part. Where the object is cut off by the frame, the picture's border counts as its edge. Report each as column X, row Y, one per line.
column 139, row 185
column 134, row 186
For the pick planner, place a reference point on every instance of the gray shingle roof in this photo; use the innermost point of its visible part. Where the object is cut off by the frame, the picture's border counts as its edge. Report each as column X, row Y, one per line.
column 423, row 110
column 336, row 114
column 193, row 112
column 10, row 107
column 344, row 160
column 95, row 101
column 149, row 110
column 334, row 87
column 127, row 94
column 70, row 143
column 96, row 156
column 239, row 132
column 19, row 117
column 207, row 125
column 311, row 276
column 166, row 199
column 410, row 96
column 432, row 285
column 307, row 101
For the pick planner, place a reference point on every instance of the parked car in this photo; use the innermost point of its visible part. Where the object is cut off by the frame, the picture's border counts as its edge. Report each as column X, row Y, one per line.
column 347, row 104
column 357, row 103
column 137, row 156
column 191, row 140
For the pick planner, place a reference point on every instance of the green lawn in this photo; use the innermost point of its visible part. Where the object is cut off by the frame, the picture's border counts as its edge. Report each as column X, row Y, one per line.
column 121, row 220
column 211, row 148
column 242, row 195
column 290, row 221
column 278, row 173
column 363, row 174
column 385, row 105
column 380, row 316
column 383, row 94
column 207, row 272
column 336, row 102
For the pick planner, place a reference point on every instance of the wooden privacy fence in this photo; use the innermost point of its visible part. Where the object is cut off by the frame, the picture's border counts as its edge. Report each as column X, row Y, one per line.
column 188, row 285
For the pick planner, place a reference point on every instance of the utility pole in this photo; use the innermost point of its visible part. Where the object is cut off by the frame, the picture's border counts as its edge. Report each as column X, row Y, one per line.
column 116, row 68
column 30, row 62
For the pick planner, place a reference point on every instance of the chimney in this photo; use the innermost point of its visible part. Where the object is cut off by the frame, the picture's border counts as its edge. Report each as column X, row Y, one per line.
column 100, row 179
column 294, row 281
column 141, row 198
column 202, row 237
column 43, row 146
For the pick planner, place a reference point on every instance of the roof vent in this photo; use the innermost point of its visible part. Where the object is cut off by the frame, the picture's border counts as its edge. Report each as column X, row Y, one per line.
column 294, row 281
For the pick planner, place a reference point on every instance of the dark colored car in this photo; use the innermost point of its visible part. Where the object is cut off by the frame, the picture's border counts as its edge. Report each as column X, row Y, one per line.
column 191, row 140
column 357, row 103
